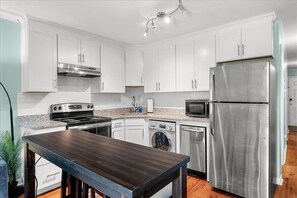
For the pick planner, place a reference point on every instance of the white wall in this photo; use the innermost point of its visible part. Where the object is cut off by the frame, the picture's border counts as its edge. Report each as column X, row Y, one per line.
column 74, row 89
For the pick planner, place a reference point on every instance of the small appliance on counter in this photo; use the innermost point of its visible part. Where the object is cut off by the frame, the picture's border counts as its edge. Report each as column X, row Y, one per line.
column 197, row 108
column 150, row 105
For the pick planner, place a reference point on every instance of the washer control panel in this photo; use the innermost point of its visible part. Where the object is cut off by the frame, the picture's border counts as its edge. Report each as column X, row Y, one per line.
column 162, row 125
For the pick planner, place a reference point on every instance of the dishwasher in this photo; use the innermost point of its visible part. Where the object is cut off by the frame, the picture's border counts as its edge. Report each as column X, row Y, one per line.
column 193, row 144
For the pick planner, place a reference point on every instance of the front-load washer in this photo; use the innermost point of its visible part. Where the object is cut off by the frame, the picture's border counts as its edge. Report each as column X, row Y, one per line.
column 162, row 135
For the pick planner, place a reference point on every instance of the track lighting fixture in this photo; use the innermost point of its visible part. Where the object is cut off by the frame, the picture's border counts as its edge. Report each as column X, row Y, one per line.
column 162, row 15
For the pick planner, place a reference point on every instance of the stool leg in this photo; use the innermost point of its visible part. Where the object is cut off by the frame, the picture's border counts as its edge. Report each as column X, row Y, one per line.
column 63, row 184
column 78, row 186
column 73, row 186
column 92, row 193
column 85, row 192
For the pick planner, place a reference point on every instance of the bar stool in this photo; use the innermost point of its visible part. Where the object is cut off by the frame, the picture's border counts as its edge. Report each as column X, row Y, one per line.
column 77, row 188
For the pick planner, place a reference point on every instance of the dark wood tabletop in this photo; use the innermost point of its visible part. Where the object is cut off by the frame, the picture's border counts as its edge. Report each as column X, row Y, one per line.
column 118, row 168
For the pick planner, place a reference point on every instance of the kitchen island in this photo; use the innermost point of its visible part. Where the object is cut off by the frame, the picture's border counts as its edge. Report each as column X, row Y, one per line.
column 113, row 167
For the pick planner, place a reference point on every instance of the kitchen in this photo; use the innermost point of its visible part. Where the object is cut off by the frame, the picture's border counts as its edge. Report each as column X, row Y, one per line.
column 141, row 81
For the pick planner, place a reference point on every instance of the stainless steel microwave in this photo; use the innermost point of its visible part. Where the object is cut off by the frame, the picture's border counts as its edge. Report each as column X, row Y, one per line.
column 197, row 108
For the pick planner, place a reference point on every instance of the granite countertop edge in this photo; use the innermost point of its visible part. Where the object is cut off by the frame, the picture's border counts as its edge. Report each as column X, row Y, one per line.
column 38, row 122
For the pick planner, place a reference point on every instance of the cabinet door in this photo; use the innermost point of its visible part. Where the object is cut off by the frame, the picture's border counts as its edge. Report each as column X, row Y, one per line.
column 228, row 44
column 257, row 38
column 205, row 58
column 118, row 133
column 113, row 70
column 151, row 74
column 185, row 65
column 135, row 134
column 167, row 75
column 134, row 67
column 68, row 50
column 42, row 59
column 90, row 53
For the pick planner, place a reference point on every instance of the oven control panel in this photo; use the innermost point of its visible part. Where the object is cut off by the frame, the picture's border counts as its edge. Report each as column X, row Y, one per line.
column 71, row 107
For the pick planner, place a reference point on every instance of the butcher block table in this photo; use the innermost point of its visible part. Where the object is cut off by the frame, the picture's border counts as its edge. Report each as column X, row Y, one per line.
column 113, row 167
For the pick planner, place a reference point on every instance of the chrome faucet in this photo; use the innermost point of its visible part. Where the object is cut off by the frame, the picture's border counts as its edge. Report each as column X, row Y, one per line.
column 134, row 104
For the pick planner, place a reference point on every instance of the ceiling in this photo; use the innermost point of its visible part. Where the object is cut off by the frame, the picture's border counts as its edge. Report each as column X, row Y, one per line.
column 125, row 20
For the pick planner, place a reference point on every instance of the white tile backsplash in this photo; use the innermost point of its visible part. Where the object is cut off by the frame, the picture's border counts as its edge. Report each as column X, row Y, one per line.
column 74, row 89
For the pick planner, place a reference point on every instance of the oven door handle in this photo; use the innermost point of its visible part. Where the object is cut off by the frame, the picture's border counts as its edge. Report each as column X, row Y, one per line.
column 89, row 126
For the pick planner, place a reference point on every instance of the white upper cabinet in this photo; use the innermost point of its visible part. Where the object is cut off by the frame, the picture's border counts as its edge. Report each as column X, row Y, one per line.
column 134, row 67
column 228, row 44
column 90, row 52
column 185, row 65
column 68, row 49
column 205, row 58
column 78, row 51
column 246, row 40
column 151, row 72
column 167, row 76
column 113, row 70
column 159, row 69
column 257, row 38
column 39, row 73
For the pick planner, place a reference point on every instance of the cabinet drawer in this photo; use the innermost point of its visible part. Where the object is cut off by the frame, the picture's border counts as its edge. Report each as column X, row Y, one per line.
column 48, row 175
column 117, row 123
column 134, row 122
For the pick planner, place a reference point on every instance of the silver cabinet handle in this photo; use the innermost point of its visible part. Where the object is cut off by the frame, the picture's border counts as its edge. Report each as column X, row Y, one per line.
column 242, row 48
column 156, row 86
column 134, row 129
column 142, row 133
column 102, row 85
column 192, row 84
column 79, row 58
column 159, row 87
column 55, row 84
column 141, row 80
column 83, row 58
column 52, row 174
column 195, row 83
column 238, row 50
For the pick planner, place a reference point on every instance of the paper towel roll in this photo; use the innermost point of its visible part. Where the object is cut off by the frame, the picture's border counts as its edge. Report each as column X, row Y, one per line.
column 150, row 105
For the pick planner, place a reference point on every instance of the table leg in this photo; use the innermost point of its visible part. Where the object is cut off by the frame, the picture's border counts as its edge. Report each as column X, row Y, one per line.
column 179, row 185
column 29, row 172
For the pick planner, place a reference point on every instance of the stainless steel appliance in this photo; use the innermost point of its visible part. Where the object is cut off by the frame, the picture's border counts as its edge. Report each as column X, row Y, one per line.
column 193, row 143
column 242, row 124
column 162, row 135
column 78, row 71
column 197, row 108
column 81, row 116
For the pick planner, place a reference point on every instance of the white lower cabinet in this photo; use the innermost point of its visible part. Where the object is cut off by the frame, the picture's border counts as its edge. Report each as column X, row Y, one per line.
column 118, row 130
column 48, row 175
column 136, row 131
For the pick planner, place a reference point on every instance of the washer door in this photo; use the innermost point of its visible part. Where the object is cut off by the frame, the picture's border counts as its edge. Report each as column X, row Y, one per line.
column 161, row 141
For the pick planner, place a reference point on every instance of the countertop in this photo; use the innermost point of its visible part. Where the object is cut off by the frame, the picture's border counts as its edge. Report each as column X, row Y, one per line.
column 42, row 121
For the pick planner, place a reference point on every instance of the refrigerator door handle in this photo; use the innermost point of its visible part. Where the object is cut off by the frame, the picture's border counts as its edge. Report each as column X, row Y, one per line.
column 212, row 86
column 212, row 121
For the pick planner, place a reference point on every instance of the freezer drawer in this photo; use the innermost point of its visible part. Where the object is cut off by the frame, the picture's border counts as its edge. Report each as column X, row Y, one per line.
column 192, row 143
column 240, row 82
column 239, row 148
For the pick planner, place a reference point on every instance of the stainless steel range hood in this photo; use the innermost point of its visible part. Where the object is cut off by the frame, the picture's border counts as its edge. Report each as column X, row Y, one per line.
column 78, row 71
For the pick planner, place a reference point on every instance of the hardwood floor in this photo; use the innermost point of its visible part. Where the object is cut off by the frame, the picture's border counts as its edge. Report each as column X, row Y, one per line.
column 199, row 188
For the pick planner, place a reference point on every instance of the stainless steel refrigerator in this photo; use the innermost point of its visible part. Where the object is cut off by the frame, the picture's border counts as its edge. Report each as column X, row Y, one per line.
column 242, row 128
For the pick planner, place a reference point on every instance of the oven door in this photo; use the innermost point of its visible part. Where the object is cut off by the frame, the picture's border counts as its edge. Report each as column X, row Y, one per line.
column 103, row 129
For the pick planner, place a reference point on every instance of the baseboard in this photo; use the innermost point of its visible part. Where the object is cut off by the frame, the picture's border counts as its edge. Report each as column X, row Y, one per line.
column 278, row 181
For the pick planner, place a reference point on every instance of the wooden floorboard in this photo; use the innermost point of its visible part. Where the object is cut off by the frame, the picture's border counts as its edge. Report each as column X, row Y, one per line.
column 199, row 188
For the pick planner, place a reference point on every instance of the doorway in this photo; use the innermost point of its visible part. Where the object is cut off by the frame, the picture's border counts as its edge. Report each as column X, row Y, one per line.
column 293, row 101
